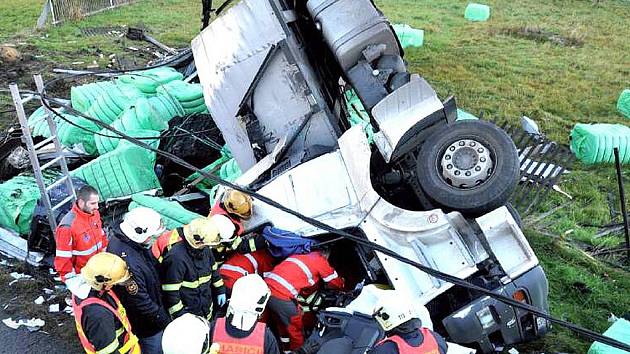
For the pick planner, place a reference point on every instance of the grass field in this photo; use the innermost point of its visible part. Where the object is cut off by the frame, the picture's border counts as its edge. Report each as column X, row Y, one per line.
column 558, row 62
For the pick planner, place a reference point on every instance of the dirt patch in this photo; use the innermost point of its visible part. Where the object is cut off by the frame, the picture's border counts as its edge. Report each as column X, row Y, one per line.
column 17, row 302
column 574, row 39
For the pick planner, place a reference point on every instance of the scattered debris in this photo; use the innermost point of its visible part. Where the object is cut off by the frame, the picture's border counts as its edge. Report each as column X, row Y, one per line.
column 18, row 276
column 557, row 189
column 133, row 48
column 541, row 35
column 77, row 62
column 53, row 308
column 530, row 126
column 513, row 351
column 39, row 300
column 109, row 31
column 140, row 34
column 34, row 324
column 68, row 310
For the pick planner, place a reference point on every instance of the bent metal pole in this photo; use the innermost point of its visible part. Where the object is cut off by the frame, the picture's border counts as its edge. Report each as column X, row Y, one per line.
column 622, row 199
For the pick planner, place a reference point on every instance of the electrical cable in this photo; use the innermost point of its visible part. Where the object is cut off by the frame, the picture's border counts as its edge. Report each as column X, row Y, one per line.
column 370, row 245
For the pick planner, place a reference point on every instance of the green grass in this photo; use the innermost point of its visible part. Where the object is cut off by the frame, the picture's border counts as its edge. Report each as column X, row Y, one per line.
column 487, row 70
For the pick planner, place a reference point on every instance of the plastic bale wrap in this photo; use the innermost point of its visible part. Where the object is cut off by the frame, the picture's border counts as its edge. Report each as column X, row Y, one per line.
column 358, row 114
column 409, row 36
column 463, row 115
column 229, row 171
column 149, row 80
column 620, row 330
column 166, row 107
column 38, row 124
column 18, row 198
column 83, row 96
column 181, row 91
column 477, row 12
column 595, row 143
column 174, row 215
column 122, row 172
column 79, row 132
column 623, row 104
column 141, row 115
column 107, row 141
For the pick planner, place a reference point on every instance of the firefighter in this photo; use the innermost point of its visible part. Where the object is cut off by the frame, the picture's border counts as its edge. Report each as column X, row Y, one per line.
column 405, row 334
column 100, row 318
column 239, row 332
column 141, row 295
column 298, row 275
column 189, row 274
column 78, row 237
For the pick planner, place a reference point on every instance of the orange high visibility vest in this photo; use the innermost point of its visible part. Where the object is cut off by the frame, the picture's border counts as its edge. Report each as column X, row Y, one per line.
column 252, row 344
column 131, row 341
column 164, row 242
column 429, row 344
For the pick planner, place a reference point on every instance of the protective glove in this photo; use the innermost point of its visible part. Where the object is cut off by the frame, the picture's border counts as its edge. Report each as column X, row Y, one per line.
column 221, row 300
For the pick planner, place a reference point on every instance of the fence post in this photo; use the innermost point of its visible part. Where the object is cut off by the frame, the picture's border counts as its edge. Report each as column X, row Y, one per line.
column 41, row 21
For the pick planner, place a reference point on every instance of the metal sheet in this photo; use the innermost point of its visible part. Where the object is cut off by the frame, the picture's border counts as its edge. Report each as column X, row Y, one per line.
column 228, row 54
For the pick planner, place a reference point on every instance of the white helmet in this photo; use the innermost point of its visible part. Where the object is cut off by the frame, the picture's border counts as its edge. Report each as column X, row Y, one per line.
column 187, row 334
column 394, row 309
column 141, row 224
column 226, row 227
column 249, row 298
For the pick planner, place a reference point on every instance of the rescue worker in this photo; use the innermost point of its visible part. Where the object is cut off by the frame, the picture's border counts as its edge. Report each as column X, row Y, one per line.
column 78, row 237
column 189, row 275
column 141, row 295
column 239, row 332
column 100, row 318
column 298, row 275
column 398, row 317
column 240, row 265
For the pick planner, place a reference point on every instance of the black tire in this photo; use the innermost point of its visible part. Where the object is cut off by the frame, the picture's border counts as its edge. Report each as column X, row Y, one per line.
column 486, row 196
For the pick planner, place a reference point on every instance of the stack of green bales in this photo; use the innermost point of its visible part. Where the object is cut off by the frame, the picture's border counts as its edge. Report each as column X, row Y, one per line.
column 623, row 103
column 595, row 143
column 83, row 96
column 109, row 105
column 173, row 214
column 189, row 96
column 107, row 141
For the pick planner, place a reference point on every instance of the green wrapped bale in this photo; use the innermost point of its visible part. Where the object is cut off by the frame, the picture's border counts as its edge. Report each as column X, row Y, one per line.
column 463, row 115
column 174, row 215
column 141, row 116
column 83, row 96
column 595, row 143
column 623, row 104
column 620, row 330
column 110, row 105
column 38, row 124
column 106, row 140
column 166, row 107
column 122, row 172
column 18, row 198
column 358, row 114
column 477, row 12
column 149, row 80
column 79, row 132
column 181, row 91
column 409, row 36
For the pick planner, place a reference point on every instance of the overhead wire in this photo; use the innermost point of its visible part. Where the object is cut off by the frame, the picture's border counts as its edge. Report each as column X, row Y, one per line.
column 359, row 240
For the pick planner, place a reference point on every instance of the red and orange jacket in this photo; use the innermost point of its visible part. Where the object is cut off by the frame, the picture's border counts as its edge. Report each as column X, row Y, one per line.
column 301, row 273
column 79, row 236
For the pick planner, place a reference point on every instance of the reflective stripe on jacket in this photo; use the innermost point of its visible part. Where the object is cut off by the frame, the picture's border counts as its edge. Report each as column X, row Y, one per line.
column 122, row 328
column 78, row 237
column 429, row 344
column 301, row 272
column 239, row 265
column 190, row 279
column 254, row 343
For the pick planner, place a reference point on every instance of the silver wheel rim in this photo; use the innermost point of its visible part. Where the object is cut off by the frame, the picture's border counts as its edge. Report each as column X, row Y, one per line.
column 466, row 163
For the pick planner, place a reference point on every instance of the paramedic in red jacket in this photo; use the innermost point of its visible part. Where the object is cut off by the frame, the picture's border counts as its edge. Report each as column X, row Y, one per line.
column 78, row 237
column 296, row 275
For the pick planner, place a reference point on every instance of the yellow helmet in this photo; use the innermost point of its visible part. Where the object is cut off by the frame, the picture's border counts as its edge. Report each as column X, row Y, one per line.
column 202, row 232
column 105, row 270
column 238, row 203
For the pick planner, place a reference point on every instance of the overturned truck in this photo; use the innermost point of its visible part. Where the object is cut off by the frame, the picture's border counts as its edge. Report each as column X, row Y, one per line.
column 317, row 108
column 276, row 76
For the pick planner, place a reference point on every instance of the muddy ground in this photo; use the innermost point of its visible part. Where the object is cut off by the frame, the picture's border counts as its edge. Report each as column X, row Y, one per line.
column 58, row 335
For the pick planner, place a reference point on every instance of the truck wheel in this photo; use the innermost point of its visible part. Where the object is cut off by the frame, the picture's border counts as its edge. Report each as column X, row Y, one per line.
column 469, row 166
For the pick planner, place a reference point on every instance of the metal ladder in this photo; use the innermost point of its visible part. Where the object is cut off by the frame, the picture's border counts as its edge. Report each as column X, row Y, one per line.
column 58, row 155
